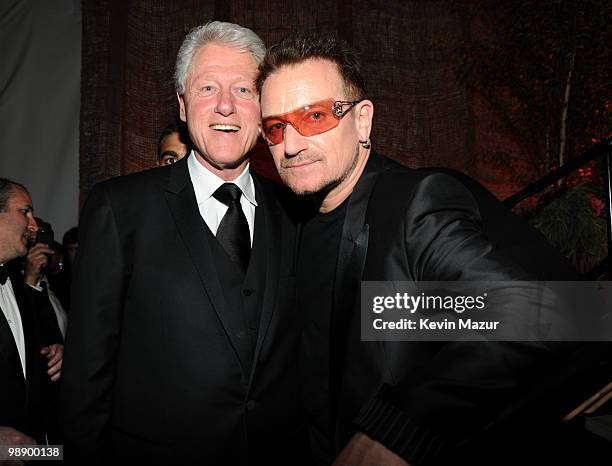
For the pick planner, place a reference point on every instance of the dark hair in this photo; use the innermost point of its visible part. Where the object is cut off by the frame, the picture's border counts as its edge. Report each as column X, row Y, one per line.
column 171, row 129
column 297, row 48
column 7, row 188
column 71, row 236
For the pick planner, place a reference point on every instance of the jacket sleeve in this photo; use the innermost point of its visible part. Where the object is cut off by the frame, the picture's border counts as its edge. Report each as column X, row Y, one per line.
column 462, row 387
column 48, row 329
column 99, row 283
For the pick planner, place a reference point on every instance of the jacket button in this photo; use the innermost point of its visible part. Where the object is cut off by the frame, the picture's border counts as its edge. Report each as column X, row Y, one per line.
column 250, row 405
column 247, row 292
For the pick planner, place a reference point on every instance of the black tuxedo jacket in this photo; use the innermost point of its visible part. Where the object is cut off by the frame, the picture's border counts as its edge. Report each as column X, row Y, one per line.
column 429, row 401
column 155, row 364
column 25, row 403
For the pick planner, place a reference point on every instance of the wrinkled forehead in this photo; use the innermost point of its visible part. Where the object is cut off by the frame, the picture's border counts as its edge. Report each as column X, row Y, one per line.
column 20, row 197
column 222, row 61
column 294, row 86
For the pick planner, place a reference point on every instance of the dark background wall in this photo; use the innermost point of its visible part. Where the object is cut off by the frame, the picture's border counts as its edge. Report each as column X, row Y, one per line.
column 422, row 114
column 420, row 58
column 503, row 90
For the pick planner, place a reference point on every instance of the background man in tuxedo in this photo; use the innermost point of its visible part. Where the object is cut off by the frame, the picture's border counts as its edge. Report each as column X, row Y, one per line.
column 29, row 361
column 182, row 337
column 390, row 403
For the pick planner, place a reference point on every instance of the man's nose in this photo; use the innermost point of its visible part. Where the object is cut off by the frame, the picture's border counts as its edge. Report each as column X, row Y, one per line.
column 294, row 141
column 225, row 103
column 32, row 225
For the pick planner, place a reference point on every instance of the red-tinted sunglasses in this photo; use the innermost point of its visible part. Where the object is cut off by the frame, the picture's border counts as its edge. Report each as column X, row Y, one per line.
column 315, row 118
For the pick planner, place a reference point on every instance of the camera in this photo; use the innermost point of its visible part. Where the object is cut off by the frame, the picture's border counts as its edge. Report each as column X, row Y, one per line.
column 45, row 233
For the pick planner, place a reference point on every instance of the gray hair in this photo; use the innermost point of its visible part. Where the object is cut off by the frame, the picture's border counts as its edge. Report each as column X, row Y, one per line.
column 229, row 34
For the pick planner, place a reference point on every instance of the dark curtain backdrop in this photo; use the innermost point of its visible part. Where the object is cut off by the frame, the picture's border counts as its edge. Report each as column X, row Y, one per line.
column 423, row 116
column 40, row 45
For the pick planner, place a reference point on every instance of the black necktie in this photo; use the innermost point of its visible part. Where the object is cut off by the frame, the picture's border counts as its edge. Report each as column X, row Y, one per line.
column 3, row 274
column 233, row 231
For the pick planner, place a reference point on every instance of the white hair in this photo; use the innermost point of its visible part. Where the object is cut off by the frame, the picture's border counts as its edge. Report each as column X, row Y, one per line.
column 229, row 34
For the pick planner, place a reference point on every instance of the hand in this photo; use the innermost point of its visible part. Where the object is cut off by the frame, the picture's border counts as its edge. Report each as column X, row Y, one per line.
column 10, row 436
column 37, row 258
column 363, row 451
column 55, row 355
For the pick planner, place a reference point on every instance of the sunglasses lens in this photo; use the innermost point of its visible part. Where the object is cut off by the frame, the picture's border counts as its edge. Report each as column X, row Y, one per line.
column 273, row 129
column 311, row 120
column 317, row 119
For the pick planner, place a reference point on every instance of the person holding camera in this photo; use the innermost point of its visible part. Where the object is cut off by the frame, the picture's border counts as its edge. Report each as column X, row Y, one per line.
column 31, row 358
column 36, row 260
column 40, row 265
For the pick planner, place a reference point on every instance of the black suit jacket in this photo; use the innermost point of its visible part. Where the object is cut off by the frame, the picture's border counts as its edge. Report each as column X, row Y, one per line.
column 25, row 403
column 429, row 401
column 155, row 360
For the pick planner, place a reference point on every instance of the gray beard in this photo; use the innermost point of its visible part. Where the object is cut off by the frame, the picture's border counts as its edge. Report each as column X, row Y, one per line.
column 331, row 184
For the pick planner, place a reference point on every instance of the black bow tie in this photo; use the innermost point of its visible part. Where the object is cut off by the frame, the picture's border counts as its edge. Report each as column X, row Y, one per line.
column 3, row 274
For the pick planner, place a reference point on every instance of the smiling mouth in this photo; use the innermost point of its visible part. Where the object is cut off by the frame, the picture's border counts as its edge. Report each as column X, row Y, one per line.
column 225, row 128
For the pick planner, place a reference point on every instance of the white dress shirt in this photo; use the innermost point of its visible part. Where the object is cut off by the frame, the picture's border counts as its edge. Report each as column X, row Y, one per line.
column 60, row 313
column 205, row 183
column 8, row 303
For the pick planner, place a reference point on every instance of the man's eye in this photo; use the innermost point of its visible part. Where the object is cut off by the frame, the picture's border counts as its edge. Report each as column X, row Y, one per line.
column 275, row 128
column 207, row 90
column 244, row 92
column 317, row 116
column 270, row 127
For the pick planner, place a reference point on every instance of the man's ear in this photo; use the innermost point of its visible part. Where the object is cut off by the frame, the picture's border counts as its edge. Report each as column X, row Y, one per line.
column 182, row 113
column 364, row 112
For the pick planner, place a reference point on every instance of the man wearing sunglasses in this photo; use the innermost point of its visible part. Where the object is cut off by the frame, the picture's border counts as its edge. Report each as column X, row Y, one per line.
column 375, row 403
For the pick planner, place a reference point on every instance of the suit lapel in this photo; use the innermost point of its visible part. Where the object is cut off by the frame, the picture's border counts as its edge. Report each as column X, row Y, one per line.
column 349, row 270
column 269, row 208
column 181, row 200
column 353, row 243
column 8, row 348
column 29, row 312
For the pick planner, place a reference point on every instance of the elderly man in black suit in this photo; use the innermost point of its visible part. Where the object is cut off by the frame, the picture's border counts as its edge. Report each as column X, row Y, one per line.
column 183, row 332
column 379, row 402
column 30, row 360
